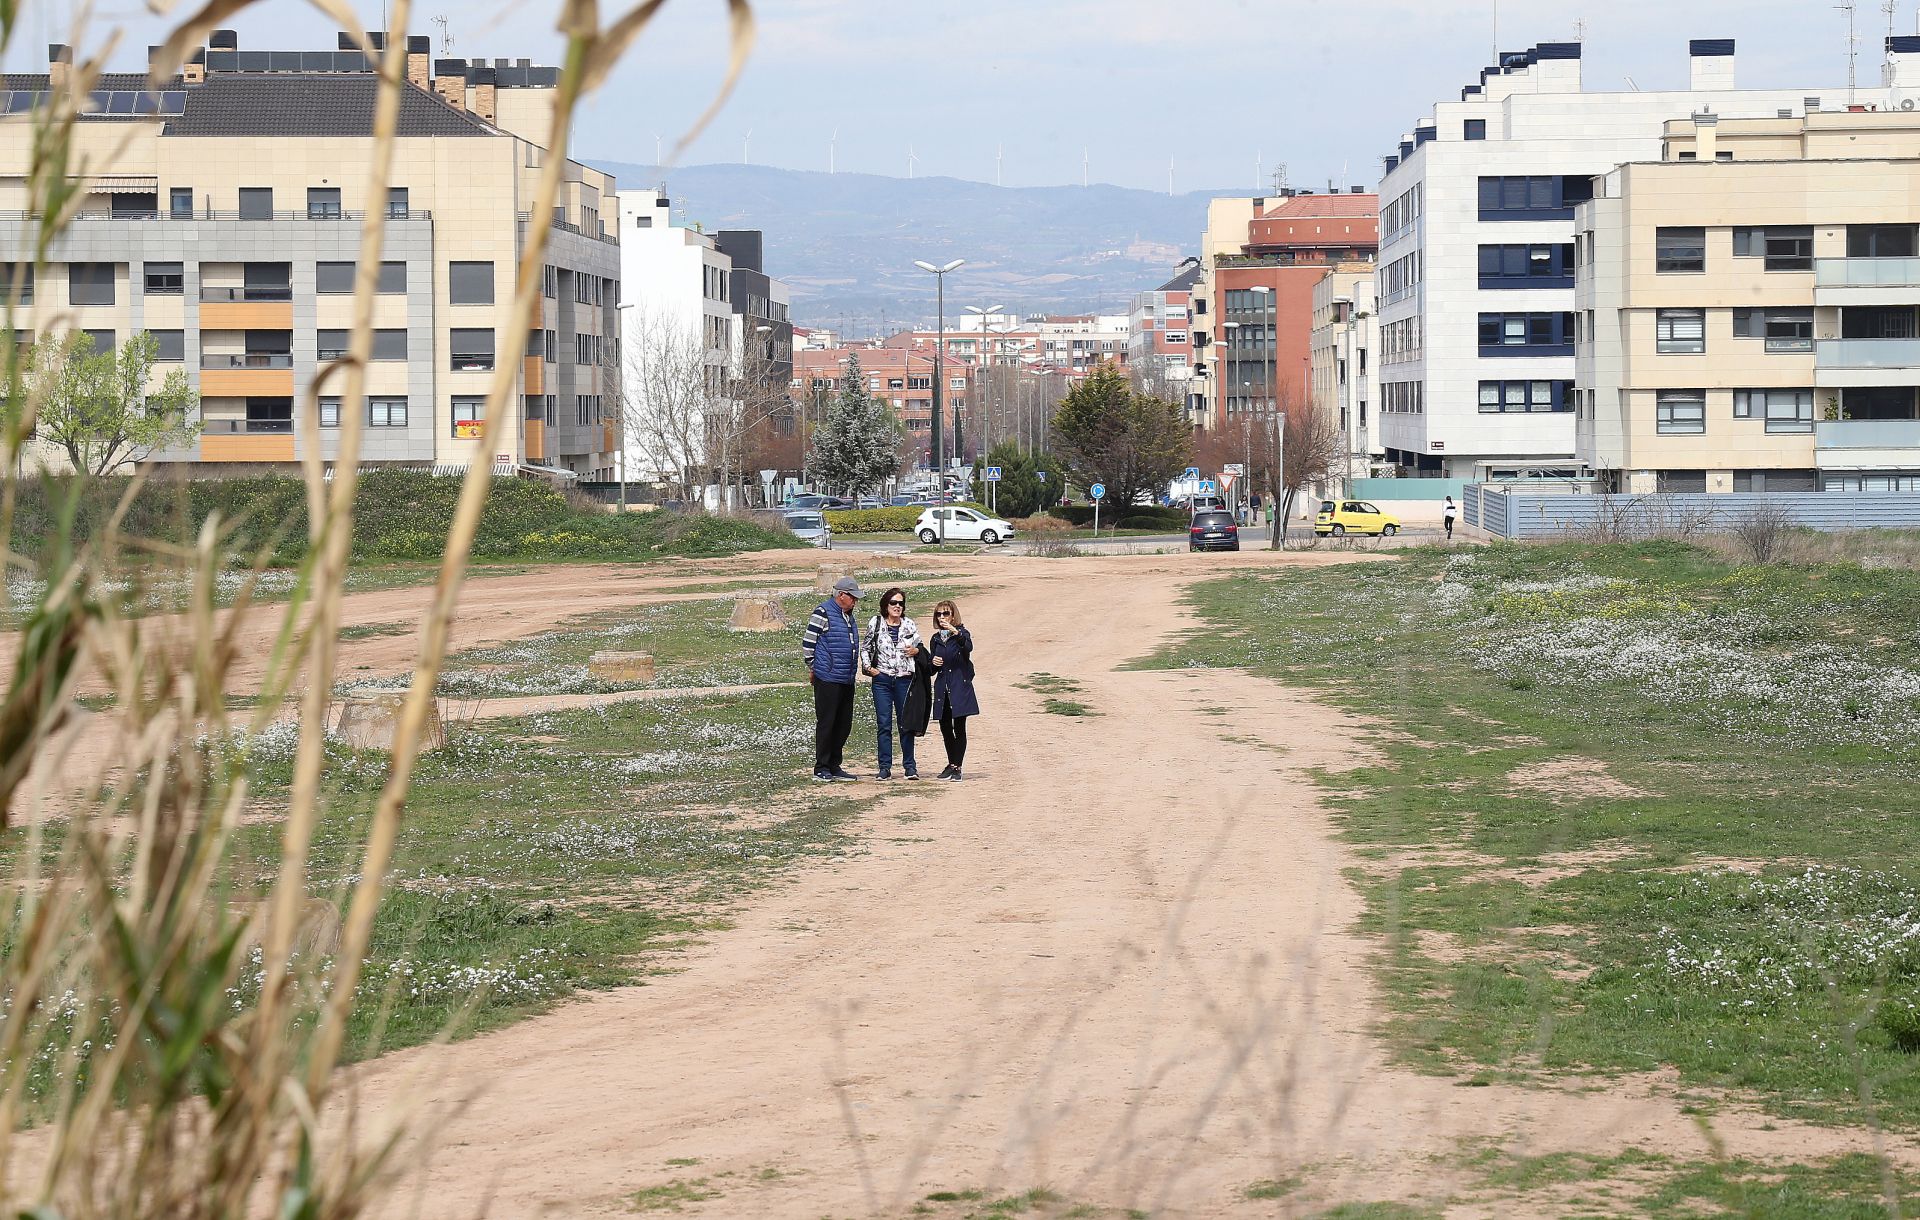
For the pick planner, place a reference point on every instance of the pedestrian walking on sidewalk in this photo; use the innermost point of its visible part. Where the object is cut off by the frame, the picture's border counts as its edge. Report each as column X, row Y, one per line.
column 953, row 699
column 889, row 655
column 1447, row 514
column 831, row 646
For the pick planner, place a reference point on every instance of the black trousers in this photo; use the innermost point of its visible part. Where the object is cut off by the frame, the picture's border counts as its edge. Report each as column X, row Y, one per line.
column 953, row 731
column 832, row 723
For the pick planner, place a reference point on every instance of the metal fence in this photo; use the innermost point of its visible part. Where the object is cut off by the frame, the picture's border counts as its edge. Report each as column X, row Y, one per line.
column 1521, row 515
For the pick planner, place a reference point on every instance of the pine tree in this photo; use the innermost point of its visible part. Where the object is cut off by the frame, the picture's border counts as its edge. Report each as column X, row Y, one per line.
column 854, row 448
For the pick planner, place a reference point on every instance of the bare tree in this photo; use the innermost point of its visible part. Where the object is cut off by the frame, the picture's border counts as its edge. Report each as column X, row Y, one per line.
column 1298, row 447
column 668, row 396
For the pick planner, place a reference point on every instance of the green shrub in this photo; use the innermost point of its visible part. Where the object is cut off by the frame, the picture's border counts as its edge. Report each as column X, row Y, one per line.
column 1899, row 1018
column 1145, row 522
column 1161, row 518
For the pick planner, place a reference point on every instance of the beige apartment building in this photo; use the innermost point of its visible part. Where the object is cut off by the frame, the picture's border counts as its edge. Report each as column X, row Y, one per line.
column 1748, row 308
column 222, row 213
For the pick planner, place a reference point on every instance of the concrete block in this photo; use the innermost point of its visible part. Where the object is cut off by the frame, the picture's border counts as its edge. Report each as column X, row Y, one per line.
column 369, row 722
column 758, row 612
column 621, row 666
column 828, row 573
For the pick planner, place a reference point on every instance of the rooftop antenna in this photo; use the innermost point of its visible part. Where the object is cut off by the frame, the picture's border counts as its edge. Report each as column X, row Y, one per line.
column 446, row 33
column 1496, row 32
column 1631, row 85
column 1579, row 29
column 1853, row 48
column 1280, row 178
column 1886, row 62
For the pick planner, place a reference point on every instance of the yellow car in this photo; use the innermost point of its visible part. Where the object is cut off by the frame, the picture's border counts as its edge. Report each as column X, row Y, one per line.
column 1353, row 517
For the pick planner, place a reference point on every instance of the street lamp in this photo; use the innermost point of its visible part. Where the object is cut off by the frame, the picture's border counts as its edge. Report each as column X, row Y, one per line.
column 939, row 275
column 620, row 429
column 986, row 366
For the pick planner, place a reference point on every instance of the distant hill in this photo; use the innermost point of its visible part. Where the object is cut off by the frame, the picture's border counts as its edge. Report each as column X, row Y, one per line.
column 847, row 242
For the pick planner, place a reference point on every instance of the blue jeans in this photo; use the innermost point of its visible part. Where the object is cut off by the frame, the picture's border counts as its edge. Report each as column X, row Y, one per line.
column 890, row 699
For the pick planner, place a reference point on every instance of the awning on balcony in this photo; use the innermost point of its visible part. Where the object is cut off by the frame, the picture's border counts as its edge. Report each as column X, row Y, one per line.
column 117, row 184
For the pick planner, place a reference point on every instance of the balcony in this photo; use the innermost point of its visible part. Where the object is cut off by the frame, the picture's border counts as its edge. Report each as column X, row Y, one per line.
column 250, row 360
column 1867, row 444
column 208, row 214
column 254, row 374
column 246, row 309
column 1866, row 362
column 1866, row 281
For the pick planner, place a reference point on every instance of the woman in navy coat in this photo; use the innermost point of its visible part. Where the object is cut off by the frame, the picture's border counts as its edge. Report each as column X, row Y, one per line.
column 953, row 697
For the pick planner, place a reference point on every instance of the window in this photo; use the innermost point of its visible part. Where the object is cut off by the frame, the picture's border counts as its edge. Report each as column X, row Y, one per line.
column 1882, row 241
column 103, row 341
column 1787, row 248
column 169, row 346
column 1523, row 397
column 256, row 203
column 269, row 414
column 1476, row 129
column 396, row 203
column 470, row 283
column 1176, row 336
column 329, row 412
column 1785, row 330
column 333, row 277
column 330, row 345
column 323, row 203
column 90, row 283
column 180, row 203
column 1783, row 410
column 472, row 349
column 390, row 345
column 1527, row 266
column 267, row 281
column 956, row 383
column 12, row 273
column 392, row 281
column 1526, row 334
column 386, row 412
column 1680, row 412
column 550, row 281
column 1679, row 250
column 1678, row 331
column 469, row 416
column 164, row 279
column 1534, row 197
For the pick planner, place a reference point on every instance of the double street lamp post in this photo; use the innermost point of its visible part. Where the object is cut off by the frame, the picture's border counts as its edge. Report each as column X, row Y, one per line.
column 939, row 275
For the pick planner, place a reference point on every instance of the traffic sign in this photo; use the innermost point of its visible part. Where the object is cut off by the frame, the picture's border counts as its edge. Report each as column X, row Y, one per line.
column 1226, row 481
column 1234, row 468
column 993, row 474
column 1207, row 487
column 1193, row 473
column 1097, row 491
column 1043, row 475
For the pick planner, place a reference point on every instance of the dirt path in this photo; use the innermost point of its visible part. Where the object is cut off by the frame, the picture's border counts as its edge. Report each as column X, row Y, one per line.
column 1117, row 961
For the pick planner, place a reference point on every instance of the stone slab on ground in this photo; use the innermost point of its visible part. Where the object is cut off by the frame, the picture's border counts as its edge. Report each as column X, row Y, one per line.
column 369, row 722
column 757, row 612
column 621, row 666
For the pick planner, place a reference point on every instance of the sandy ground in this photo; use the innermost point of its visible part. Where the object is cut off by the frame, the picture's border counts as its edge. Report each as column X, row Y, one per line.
column 1117, row 961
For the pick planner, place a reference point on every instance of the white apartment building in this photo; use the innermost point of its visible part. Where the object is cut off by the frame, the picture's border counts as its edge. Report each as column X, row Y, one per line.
column 1476, row 272
column 1345, row 369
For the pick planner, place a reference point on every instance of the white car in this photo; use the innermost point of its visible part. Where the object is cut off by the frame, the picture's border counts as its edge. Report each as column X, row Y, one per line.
column 963, row 524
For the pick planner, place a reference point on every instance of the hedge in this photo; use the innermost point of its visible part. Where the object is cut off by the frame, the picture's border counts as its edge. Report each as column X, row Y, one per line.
column 884, row 520
column 1082, row 514
column 399, row 516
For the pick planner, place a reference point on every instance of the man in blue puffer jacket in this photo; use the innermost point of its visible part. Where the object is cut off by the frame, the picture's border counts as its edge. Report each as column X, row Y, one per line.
column 831, row 646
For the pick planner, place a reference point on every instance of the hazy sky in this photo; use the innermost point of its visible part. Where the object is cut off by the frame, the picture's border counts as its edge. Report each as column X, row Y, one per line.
column 1210, row 84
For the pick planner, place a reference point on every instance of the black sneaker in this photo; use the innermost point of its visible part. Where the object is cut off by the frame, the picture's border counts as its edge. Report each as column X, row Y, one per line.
column 886, row 775
column 822, row 776
column 953, row 775
column 946, row 772
column 912, row 774
column 841, row 776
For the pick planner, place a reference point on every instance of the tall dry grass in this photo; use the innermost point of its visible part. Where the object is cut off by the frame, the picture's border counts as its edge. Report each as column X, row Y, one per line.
column 170, row 1033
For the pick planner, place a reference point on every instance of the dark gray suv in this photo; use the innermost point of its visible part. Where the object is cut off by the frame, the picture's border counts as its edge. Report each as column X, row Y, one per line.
column 1213, row 530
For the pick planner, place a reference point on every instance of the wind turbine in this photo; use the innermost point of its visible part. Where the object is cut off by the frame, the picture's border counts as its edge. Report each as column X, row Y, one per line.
column 1259, row 168
column 911, row 162
column 1169, row 177
column 999, row 152
column 746, row 142
column 832, row 142
column 1083, row 167
column 656, row 149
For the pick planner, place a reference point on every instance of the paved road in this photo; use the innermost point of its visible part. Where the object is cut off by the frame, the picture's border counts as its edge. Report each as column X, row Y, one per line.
column 1251, row 537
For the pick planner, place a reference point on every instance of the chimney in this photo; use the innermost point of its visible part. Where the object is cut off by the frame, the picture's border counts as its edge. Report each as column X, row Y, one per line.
column 1712, row 60
column 59, row 65
column 450, row 82
column 485, row 97
column 1903, row 61
column 194, row 71
column 419, row 47
column 1706, row 126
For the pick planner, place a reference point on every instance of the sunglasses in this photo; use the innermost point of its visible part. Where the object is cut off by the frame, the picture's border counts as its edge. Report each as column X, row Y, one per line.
column 896, row 602
column 943, row 614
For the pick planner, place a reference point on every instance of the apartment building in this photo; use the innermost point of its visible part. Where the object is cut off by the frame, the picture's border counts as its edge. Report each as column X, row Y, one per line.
column 900, row 376
column 1159, row 335
column 1071, row 344
column 1749, row 306
column 222, row 213
column 1345, row 370
column 1476, row 278
column 1253, row 313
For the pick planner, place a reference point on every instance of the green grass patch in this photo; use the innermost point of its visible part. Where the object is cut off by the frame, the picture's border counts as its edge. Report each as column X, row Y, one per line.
column 1066, row 707
column 673, row 1196
column 368, row 631
column 1684, row 791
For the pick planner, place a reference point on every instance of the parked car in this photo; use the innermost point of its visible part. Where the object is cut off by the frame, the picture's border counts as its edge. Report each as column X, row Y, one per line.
column 904, row 501
column 810, row 526
column 1213, row 530
column 963, row 524
column 808, row 500
column 867, row 502
column 1205, row 504
column 1353, row 517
